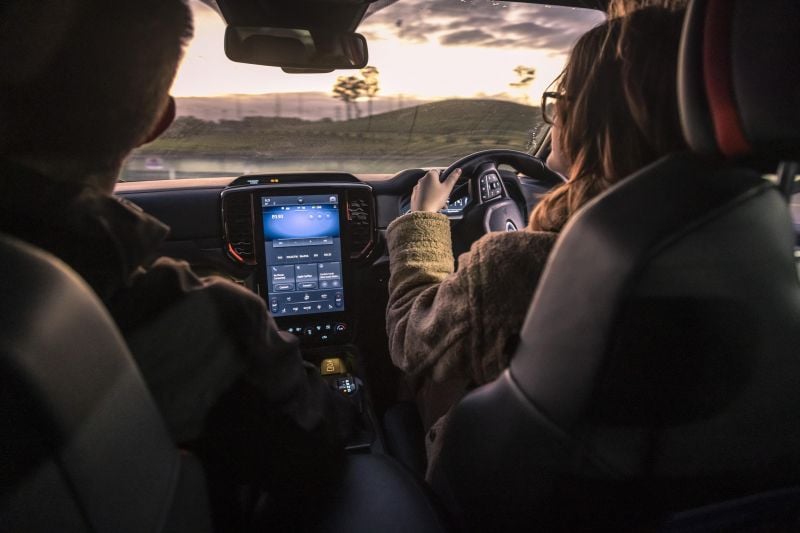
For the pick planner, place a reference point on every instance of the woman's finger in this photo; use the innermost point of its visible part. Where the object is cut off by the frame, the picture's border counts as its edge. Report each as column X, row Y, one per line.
column 453, row 177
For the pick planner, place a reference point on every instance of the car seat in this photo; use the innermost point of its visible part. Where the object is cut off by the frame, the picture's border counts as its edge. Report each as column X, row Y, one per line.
column 83, row 445
column 84, row 448
column 658, row 367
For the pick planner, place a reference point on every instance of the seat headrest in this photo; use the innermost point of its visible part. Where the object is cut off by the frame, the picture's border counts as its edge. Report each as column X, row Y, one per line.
column 739, row 78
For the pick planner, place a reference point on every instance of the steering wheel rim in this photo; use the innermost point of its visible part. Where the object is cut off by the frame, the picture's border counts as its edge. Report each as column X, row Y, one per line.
column 490, row 207
column 521, row 161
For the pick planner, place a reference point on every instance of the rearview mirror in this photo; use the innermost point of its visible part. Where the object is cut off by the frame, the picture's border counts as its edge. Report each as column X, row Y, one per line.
column 296, row 50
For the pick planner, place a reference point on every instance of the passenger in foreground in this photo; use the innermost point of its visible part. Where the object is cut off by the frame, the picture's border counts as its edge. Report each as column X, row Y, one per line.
column 81, row 85
column 615, row 111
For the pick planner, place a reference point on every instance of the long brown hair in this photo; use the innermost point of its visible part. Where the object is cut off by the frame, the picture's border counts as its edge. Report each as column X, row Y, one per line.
column 619, row 110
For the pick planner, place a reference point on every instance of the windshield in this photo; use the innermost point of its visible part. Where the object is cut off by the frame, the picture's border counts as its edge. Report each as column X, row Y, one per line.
column 445, row 78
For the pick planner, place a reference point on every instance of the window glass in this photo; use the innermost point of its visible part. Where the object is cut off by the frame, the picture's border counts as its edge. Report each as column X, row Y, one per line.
column 446, row 78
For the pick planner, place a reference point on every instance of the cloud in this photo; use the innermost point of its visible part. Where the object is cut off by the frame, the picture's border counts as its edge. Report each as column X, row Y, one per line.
column 529, row 28
column 417, row 33
column 504, row 43
column 474, row 22
column 465, row 37
column 482, row 22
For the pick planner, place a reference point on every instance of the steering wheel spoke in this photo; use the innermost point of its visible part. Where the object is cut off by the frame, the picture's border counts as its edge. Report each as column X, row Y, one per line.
column 487, row 184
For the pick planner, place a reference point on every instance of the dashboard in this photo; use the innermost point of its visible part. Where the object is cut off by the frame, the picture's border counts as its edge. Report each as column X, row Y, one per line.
column 311, row 244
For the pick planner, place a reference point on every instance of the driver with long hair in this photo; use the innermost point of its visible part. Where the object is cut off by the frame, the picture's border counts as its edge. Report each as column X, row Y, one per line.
column 616, row 112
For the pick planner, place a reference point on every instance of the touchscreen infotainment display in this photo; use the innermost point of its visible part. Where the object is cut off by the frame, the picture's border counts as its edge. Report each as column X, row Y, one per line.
column 303, row 254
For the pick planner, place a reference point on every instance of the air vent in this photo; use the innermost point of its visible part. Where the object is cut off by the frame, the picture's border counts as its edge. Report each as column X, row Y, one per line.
column 360, row 215
column 237, row 210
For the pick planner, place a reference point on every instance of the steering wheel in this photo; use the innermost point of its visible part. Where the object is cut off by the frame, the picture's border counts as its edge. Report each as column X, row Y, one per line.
column 490, row 208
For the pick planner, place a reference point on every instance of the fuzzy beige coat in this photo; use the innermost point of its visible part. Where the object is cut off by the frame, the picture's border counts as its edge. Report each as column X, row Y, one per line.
column 445, row 326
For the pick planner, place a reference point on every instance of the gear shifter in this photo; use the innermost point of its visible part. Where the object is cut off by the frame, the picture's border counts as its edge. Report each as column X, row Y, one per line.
column 335, row 373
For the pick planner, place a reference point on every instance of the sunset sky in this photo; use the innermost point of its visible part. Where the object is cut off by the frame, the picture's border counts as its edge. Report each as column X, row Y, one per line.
column 422, row 48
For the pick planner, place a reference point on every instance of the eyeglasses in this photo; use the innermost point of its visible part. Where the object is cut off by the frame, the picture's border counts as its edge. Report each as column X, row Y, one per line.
column 549, row 102
column 550, row 98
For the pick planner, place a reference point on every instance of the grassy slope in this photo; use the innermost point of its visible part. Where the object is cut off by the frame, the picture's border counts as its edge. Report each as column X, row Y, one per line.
column 431, row 131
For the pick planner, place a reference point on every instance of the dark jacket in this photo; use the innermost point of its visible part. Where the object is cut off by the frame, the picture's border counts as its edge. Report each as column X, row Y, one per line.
column 228, row 383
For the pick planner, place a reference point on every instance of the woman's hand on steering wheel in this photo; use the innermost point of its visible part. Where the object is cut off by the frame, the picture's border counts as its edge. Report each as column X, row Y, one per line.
column 430, row 194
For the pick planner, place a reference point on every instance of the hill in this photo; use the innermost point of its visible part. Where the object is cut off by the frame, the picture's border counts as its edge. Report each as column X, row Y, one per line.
column 428, row 134
column 304, row 105
column 454, row 116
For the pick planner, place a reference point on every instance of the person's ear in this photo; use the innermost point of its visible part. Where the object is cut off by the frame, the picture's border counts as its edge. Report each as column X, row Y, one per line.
column 167, row 116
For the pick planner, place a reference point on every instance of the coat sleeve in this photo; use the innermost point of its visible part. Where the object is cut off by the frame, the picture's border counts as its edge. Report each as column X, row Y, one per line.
column 443, row 323
column 225, row 377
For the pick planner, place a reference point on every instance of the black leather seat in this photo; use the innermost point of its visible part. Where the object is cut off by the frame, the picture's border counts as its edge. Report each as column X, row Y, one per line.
column 659, row 364
column 82, row 446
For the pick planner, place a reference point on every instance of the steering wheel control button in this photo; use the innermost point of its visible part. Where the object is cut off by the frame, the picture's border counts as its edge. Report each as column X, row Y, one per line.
column 341, row 327
column 490, row 186
column 331, row 366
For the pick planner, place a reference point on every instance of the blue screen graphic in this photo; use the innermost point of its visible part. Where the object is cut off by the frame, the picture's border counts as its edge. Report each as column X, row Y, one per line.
column 302, row 245
column 292, row 222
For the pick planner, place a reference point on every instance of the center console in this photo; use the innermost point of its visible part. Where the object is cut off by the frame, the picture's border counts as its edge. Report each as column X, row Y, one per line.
column 303, row 241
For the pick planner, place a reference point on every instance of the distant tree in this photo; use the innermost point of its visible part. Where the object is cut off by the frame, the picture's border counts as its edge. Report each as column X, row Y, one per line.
column 348, row 89
column 370, row 75
column 525, row 76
